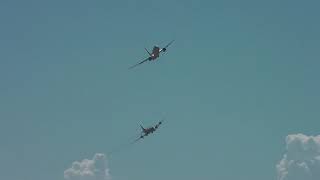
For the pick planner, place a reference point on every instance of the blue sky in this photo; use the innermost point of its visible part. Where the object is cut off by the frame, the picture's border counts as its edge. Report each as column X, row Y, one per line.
column 239, row 78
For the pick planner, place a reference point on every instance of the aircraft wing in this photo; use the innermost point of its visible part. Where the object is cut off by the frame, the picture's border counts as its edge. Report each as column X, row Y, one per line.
column 165, row 48
column 159, row 123
column 137, row 140
column 139, row 63
column 140, row 137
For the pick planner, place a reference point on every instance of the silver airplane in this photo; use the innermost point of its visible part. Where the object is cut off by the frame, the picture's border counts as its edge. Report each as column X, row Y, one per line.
column 154, row 55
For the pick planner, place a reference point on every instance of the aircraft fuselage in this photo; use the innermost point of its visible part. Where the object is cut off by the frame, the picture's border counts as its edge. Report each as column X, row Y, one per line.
column 155, row 53
column 148, row 130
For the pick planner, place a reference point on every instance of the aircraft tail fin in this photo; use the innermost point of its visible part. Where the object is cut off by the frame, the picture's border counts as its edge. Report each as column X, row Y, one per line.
column 142, row 127
column 147, row 51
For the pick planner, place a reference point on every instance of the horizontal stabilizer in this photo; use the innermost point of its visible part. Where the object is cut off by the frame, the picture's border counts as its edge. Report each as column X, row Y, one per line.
column 148, row 51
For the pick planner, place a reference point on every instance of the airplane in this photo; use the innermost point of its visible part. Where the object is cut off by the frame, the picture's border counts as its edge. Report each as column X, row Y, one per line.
column 154, row 55
column 146, row 131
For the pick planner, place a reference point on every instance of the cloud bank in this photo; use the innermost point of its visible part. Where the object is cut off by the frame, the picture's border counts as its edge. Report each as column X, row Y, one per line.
column 302, row 159
column 95, row 169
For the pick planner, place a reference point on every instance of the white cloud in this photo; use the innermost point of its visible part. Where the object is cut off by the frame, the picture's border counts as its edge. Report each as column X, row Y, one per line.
column 95, row 169
column 302, row 159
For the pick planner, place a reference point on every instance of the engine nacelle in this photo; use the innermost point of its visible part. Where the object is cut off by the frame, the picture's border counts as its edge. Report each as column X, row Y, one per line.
column 164, row 49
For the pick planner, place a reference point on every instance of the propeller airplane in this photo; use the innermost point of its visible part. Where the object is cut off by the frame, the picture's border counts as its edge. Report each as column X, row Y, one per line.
column 156, row 51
